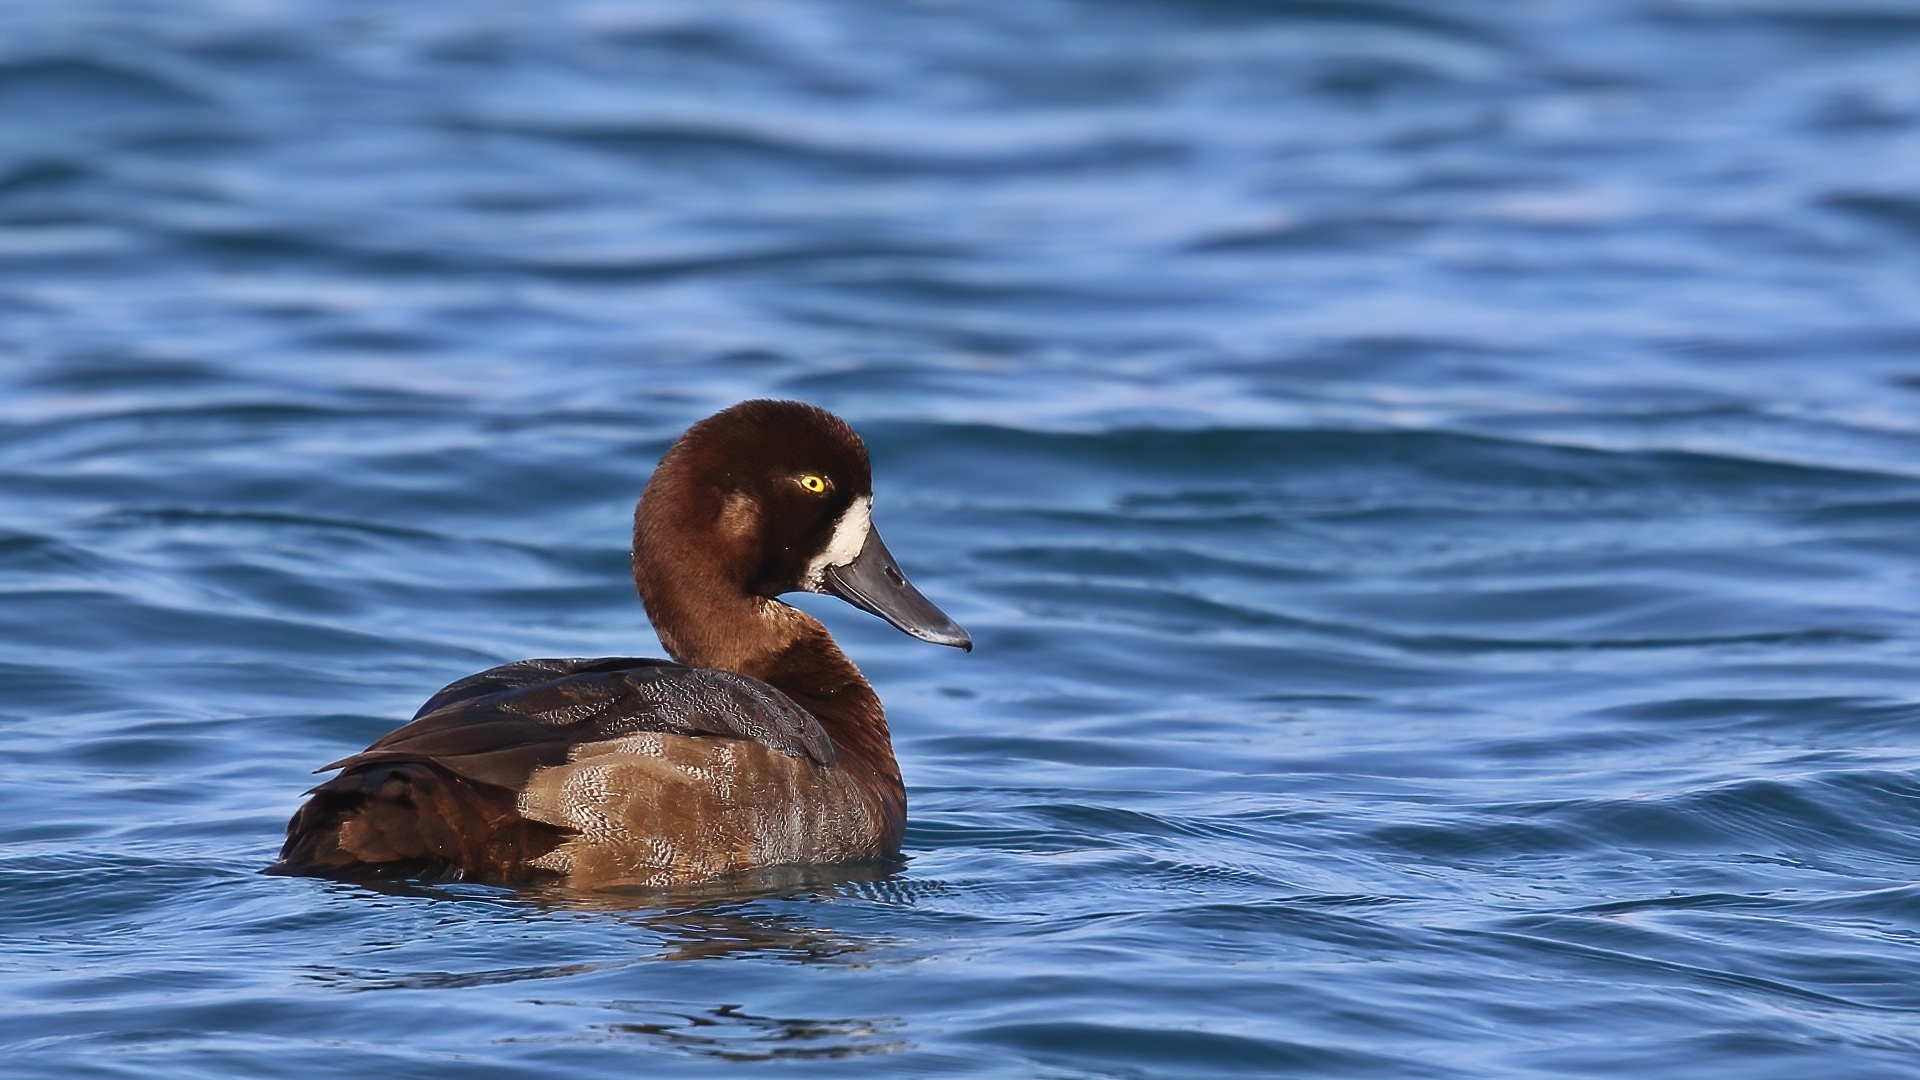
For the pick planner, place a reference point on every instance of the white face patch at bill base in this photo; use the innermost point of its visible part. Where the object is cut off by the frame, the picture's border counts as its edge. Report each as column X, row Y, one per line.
column 848, row 540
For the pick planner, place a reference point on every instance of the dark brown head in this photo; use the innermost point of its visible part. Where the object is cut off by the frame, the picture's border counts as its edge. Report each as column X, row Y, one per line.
column 761, row 499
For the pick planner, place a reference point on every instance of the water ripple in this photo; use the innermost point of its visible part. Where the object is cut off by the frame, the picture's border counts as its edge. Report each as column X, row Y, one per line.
column 1432, row 487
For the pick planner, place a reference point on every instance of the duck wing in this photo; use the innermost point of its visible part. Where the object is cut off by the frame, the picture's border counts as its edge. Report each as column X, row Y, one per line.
column 500, row 725
column 437, row 797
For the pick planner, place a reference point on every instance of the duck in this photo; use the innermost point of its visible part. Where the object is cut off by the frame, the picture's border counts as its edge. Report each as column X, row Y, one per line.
column 758, row 744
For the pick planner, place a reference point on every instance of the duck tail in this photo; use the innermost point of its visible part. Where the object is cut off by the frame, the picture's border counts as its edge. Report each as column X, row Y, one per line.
column 417, row 820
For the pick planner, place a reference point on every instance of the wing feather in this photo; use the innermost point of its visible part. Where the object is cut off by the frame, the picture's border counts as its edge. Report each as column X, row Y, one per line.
column 500, row 725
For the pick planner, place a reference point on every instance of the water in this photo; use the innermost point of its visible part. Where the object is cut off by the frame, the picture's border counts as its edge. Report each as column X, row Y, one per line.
column 1435, row 487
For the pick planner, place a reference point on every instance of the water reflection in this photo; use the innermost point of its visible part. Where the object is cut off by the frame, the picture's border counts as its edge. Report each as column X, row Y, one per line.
column 718, row 935
column 727, row 919
column 716, row 932
column 871, row 878
column 730, row 1033
column 350, row 980
column 716, row 920
column 746, row 918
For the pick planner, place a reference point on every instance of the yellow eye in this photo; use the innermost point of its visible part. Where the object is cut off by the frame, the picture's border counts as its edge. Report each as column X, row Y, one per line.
column 815, row 484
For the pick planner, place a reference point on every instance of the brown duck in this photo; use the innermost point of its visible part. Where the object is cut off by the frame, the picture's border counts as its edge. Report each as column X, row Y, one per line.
column 760, row 744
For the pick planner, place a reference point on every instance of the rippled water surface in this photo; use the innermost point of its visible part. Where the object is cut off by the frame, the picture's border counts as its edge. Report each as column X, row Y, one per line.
column 1435, row 487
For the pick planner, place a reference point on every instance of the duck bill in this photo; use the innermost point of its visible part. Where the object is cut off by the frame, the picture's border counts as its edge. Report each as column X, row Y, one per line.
column 873, row 582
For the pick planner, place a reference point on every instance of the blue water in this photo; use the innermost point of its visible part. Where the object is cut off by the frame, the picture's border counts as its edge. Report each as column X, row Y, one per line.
column 1435, row 487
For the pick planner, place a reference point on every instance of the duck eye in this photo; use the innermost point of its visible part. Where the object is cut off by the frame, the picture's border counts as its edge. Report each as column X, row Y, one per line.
column 815, row 484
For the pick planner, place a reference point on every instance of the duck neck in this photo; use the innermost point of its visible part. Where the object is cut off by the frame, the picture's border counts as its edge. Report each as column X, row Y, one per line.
column 706, row 619
column 813, row 671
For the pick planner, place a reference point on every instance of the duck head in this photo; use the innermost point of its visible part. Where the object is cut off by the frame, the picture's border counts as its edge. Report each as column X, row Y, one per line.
column 767, row 498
